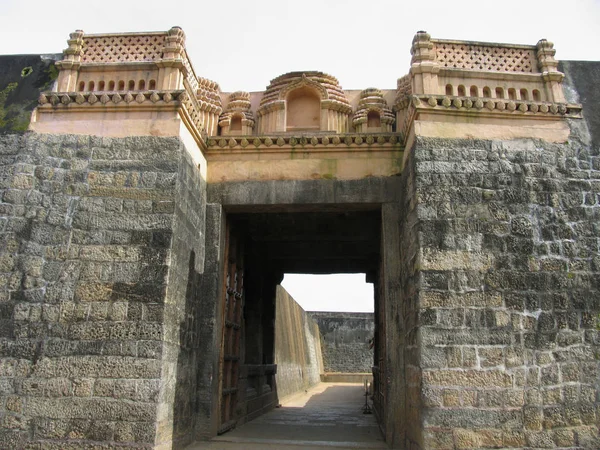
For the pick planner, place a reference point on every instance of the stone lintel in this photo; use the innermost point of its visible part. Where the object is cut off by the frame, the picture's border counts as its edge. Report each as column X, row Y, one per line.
column 299, row 195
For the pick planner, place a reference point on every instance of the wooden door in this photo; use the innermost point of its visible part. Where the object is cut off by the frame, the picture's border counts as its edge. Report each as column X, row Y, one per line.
column 232, row 310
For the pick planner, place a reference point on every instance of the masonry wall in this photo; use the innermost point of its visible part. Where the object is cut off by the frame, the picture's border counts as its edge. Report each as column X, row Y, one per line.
column 501, row 289
column 185, row 311
column 402, row 325
column 345, row 341
column 87, row 338
column 297, row 347
column 510, row 293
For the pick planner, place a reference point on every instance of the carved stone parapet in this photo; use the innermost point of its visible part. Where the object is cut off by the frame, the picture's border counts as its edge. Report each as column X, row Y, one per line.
column 485, row 56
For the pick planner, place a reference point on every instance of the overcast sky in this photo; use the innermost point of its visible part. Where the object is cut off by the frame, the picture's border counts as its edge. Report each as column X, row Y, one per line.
column 244, row 44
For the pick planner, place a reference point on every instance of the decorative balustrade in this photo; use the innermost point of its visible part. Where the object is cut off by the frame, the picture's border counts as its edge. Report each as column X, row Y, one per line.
column 485, row 56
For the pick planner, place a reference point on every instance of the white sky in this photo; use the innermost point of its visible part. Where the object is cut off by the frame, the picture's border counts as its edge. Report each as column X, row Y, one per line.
column 244, row 44
column 341, row 292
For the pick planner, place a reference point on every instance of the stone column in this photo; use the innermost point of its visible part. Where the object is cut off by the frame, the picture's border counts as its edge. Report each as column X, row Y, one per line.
column 424, row 68
column 550, row 74
column 69, row 66
column 170, row 74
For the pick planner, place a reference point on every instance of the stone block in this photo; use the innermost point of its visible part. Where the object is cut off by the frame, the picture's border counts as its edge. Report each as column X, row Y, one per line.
column 467, row 378
column 490, row 356
column 441, row 439
column 474, row 419
column 540, row 439
column 533, row 418
column 451, row 397
column 91, row 409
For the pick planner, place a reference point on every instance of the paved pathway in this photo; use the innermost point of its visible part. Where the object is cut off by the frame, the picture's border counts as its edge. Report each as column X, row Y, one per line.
column 329, row 415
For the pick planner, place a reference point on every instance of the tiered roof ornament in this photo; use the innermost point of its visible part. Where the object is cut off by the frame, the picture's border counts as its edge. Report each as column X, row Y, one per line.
column 335, row 108
column 237, row 118
column 373, row 113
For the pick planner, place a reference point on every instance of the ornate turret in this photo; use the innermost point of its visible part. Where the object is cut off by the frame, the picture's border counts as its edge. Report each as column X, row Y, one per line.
column 304, row 101
column 237, row 118
column 373, row 113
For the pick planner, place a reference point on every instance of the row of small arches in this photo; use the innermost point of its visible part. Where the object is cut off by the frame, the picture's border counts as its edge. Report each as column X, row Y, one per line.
column 523, row 94
column 120, row 86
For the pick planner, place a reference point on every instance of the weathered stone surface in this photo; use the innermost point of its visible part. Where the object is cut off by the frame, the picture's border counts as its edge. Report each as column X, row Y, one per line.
column 298, row 350
column 524, row 310
column 345, row 341
column 109, row 311
column 89, row 263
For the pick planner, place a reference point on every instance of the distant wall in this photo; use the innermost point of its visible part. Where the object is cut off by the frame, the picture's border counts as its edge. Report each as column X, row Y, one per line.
column 345, row 339
column 297, row 347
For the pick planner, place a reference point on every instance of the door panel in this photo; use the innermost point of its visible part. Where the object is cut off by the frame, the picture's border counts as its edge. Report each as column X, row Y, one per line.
column 232, row 307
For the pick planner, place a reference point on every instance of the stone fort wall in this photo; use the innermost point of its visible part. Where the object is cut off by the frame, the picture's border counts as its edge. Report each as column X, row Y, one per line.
column 298, row 352
column 345, row 341
column 87, row 335
column 108, row 318
column 501, row 244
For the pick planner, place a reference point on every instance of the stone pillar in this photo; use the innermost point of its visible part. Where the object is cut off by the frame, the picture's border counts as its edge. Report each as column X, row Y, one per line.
column 170, row 75
column 69, row 66
column 395, row 390
column 424, row 68
column 549, row 68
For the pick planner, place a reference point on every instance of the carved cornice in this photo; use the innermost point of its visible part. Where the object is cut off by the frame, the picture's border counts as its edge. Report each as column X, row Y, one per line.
column 72, row 100
column 515, row 108
column 473, row 108
column 308, row 141
column 270, row 107
column 174, row 100
column 304, row 81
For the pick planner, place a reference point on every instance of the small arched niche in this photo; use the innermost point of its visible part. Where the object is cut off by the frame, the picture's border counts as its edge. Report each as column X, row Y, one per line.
column 373, row 120
column 236, row 124
column 303, row 110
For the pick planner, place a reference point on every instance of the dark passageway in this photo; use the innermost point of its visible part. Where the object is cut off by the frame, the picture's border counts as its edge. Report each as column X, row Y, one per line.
column 260, row 248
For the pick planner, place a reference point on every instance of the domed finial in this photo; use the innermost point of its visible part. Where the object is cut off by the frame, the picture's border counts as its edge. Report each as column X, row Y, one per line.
column 421, row 36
